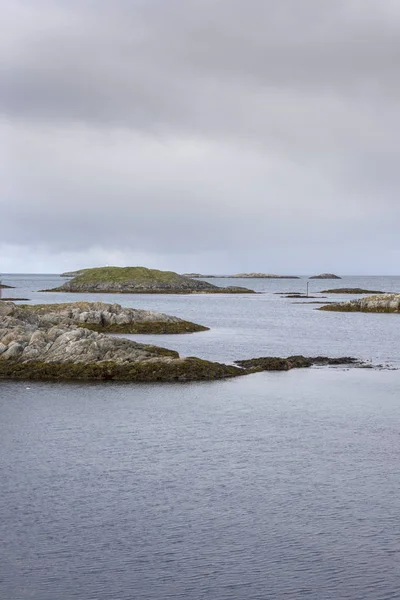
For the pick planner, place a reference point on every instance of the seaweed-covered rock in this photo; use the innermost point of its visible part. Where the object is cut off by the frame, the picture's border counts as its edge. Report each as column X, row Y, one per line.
column 275, row 363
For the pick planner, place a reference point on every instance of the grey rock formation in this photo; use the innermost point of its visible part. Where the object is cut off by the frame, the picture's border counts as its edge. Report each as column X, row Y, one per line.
column 112, row 318
column 381, row 303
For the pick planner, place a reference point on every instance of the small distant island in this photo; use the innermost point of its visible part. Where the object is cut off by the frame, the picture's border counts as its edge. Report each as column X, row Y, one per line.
column 140, row 280
column 326, row 276
column 381, row 303
column 242, row 276
column 3, row 286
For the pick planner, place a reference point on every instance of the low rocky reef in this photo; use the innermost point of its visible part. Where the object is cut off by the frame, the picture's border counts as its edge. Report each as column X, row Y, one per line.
column 112, row 318
column 326, row 276
column 3, row 286
column 140, row 280
column 274, row 363
column 382, row 303
column 350, row 291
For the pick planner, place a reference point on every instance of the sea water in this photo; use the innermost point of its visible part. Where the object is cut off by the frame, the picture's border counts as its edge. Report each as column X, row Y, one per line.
column 271, row 486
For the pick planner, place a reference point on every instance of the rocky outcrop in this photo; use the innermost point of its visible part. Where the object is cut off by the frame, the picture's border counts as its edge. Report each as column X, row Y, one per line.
column 32, row 347
column 350, row 291
column 382, row 303
column 139, row 280
column 3, row 286
column 325, row 276
column 112, row 318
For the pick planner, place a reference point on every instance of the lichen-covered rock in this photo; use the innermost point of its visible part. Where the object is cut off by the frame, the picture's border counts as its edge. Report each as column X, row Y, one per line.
column 381, row 303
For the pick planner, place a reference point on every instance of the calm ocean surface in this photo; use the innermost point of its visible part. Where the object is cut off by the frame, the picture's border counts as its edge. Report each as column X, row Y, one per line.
column 271, row 486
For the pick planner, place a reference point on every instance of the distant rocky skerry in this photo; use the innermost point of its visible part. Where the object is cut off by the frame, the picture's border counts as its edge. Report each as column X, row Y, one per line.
column 381, row 303
column 326, row 276
column 3, row 286
column 140, row 280
column 241, row 276
column 47, row 344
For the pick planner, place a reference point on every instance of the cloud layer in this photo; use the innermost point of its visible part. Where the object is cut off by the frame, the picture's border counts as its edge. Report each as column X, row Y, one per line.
column 216, row 135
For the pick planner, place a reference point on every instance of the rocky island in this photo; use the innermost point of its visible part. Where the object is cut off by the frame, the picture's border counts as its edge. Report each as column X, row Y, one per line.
column 140, row 280
column 32, row 346
column 381, row 303
column 326, row 276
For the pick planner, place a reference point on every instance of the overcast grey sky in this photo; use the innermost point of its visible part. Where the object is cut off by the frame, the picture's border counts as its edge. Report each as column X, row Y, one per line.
column 200, row 135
